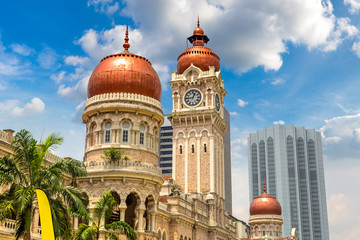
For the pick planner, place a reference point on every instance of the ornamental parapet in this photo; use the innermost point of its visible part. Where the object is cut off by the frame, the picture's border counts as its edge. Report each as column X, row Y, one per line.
column 50, row 157
column 125, row 165
column 8, row 226
column 108, row 97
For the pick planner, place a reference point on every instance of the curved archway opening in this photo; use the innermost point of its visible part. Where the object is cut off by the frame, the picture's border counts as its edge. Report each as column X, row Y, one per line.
column 132, row 201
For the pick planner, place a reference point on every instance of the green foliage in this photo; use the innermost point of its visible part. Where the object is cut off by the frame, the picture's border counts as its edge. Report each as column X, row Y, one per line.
column 113, row 154
column 27, row 171
column 103, row 210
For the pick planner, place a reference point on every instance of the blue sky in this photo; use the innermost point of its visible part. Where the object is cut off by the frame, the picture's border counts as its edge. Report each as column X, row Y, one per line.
column 283, row 62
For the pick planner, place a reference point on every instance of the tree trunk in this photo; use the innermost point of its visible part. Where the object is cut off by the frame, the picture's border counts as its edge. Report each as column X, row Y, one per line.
column 27, row 235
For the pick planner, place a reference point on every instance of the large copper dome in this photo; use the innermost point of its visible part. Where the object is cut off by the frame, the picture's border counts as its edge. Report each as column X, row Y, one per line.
column 198, row 55
column 265, row 204
column 125, row 73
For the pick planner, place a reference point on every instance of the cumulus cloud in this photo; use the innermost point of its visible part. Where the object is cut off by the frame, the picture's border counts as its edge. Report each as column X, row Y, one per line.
column 264, row 28
column 10, row 64
column 13, row 108
column 21, row 49
column 242, row 103
column 356, row 48
column 354, row 5
column 58, row 77
column 108, row 7
column 76, row 60
column 280, row 122
column 278, row 81
column 47, row 58
column 77, row 92
column 341, row 137
column 233, row 113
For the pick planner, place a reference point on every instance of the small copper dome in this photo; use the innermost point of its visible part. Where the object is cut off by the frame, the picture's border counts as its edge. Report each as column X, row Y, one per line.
column 125, row 73
column 265, row 204
column 198, row 31
column 198, row 55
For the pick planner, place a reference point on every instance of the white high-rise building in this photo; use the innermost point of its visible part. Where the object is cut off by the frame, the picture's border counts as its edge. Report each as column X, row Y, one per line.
column 290, row 159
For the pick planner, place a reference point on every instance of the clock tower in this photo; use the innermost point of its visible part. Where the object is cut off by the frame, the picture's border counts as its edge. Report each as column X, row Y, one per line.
column 198, row 122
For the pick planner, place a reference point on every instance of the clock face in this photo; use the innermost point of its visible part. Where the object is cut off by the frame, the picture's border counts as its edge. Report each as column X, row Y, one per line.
column 217, row 102
column 192, row 97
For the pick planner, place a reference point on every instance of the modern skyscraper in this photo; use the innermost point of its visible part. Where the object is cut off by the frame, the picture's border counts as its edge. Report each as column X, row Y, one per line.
column 165, row 148
column 290, row 159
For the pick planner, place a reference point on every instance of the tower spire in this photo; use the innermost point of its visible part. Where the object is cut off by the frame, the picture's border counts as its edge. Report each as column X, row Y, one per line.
column 126, row 45
column 264, row 187
column 198, row 23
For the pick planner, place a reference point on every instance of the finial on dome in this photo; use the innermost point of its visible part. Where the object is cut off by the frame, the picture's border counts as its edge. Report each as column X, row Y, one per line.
column 126, row 45
column 264, row 188
column 198, row 22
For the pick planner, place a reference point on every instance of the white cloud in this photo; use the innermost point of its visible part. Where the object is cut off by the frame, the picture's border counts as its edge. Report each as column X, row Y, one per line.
column 242, row 103
column 233, row 113
column 280, row 122
column 278, row 81
column 47, row 58
column 12, row 108
column 10, row 64
column 76, row 60
column 341, row 137
column 354, row 5
column 356, row 48
column 77, row 92
column 58, row 77
column 21, row 49
column 109, row 7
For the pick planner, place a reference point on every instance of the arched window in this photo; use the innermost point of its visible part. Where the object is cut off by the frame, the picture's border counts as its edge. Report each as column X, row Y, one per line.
column 192, row 148
column 205, row 148
column 142, row 134
column 107, row 135
column 180, row 149
column 125, row 131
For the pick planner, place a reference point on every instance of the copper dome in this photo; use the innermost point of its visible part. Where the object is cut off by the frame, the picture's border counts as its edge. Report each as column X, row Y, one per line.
column 125, row 73
column 265, row 204
column 198, row 55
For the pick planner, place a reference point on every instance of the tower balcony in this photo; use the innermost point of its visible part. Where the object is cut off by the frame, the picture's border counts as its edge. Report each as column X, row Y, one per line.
column 123, row 168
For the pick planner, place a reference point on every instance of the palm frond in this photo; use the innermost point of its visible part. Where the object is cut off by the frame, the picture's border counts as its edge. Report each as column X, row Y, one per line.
column 112, row 236
column 123, row 227
column 104, row 207
column 86, row 232
column 74, row 199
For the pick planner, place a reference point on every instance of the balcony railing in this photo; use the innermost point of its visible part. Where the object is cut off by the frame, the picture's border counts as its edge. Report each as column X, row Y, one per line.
column 127, row 165
column 8, row 226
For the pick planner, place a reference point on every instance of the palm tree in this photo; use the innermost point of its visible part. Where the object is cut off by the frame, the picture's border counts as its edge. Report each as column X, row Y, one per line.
column 102, row 212
column 27, row 171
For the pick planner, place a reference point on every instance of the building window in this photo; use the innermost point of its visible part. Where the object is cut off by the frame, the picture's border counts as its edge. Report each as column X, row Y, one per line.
column 142, row 134
column 192, row 148
column 205, row 148
column 107, row 136
column 180, row 149
column 125, row 132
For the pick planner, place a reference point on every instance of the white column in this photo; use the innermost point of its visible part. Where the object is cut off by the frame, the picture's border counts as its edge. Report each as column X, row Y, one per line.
column 186, row 165
column 174, row 159
column 198, row 163
column 152, row 224
column 206, row 98
column 212, row 164
column 178, row 98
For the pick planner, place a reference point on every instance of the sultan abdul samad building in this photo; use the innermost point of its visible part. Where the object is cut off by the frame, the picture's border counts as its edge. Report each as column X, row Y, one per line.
column 123, row 110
